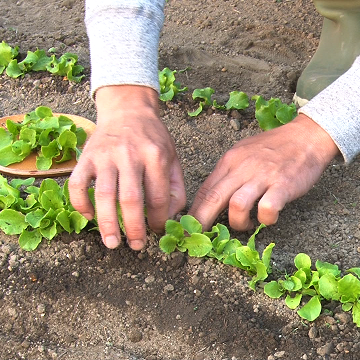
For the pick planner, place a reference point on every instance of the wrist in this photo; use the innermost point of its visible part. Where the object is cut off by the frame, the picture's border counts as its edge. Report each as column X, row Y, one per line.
column 315, row 138
column 114, row 99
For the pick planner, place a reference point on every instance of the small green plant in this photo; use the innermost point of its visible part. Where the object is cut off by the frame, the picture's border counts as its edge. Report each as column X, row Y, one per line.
column 273, row 113
column 66, row 65
column 324, row 283
column 238, row 100
column 187, row 235
column 53, row 138
column 43, row 213
column 169, row 87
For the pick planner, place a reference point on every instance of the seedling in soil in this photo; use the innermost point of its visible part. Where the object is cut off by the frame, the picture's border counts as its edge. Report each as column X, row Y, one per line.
column 66, row 65
column 169, row 87
column 238, row 100
column 187, row 235
column 273, row 113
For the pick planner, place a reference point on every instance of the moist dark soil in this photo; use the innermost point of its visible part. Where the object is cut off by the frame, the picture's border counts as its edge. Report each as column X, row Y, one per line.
column 74, row 299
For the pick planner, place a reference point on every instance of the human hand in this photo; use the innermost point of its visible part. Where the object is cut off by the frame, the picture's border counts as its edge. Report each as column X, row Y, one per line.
column 276, row 167
column 132, row 158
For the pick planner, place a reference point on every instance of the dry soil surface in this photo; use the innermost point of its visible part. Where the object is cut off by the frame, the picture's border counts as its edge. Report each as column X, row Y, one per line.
column 75, row 300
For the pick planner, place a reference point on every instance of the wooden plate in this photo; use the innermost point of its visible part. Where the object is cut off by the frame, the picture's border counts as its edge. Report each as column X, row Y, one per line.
column 27, row 168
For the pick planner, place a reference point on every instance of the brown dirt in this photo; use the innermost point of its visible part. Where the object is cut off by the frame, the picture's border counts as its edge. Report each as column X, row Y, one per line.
column 77, row 300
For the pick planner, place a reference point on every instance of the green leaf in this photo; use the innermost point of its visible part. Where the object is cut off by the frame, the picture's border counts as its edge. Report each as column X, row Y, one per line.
column 63, row 218
column 355, row 270
column 49, row 232
column 266, row 256
column 247, row 257
column 285, row 113
column 168, row 243
column 197, row 245
column 43, row 112
column 174, row 228
column 6, row 138
column 327, row 268
column 28, row 135
column 43, row 163
column 302, row 261
column 273, row 290
column 311, row 310
column 231, row 260
column 30, row 240
column 293, row 302
column 50, row 151
column 7, row 53
column 203, row 94
column 347, row 306
column 190, row 224
column 297, row 283
column 260, row 274
column 251, row 241
column 328, row 287
column 13, row 70
column 198, row 110
column 17, row 183
column 34, row 218
column 78, row 221
column 349, row 288
column 67, row 139
column 238, row 100
column 356, row 313
column 12, row 222
column 80, row 136
column 7, row 156
column 21, row 148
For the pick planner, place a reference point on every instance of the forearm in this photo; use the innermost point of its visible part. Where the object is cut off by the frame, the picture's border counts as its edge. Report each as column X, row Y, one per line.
column 124, row 37
column 337, row 110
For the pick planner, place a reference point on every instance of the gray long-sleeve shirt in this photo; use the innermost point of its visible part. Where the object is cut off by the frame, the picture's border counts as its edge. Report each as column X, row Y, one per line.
column 124, row 37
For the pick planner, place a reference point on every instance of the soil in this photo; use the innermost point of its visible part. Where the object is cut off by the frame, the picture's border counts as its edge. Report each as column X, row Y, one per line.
column 74, row 299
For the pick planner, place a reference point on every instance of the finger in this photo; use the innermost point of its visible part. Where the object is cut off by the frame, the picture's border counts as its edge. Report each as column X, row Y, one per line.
column 177, row 190
column 241, row 203
column 79, row 183
column 132, row 205
column 213, row 200
column 216, row 176
column 105, row 200
column 273, row 201
column 157, row 192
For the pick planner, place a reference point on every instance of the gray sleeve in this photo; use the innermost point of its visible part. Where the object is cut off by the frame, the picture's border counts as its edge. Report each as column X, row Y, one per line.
column 124, row 38
column 337, row 110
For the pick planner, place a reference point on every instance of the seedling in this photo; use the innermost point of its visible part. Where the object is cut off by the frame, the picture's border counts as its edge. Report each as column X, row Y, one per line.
column 238, row 100
column 53, row 138
column 66, row 65
column 169, row 87
column 273, row 113
column 187, row 235
column 45, row 211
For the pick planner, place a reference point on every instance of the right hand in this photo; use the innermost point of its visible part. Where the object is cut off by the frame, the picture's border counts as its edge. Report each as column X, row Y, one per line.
column 131, row 156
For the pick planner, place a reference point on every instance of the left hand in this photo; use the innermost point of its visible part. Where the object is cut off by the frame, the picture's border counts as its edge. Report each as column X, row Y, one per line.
column 276, row 167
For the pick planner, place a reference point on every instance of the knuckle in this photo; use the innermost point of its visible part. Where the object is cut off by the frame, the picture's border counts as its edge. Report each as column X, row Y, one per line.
column 212, row 197
column 107, row 226
column 130, row 197
column 157, row 202
column 238, row 203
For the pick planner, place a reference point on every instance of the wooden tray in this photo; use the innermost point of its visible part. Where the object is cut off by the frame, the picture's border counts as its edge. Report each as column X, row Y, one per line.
column 27, row 168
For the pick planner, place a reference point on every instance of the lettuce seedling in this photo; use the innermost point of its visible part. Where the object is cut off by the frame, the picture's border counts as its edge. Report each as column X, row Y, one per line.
column 53, row 138
column 187, row 235
column 169, row 87
column 45, row 212
column 273, row 113
column 238, row 100
column 66, row 65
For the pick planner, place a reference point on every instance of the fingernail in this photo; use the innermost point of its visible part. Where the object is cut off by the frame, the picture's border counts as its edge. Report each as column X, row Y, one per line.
column 136, row 244
column 111, row 242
